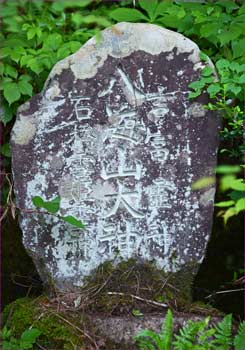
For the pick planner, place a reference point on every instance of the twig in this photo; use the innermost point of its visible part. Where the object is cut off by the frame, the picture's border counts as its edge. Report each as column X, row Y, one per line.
column 79, row 329
column 139, row 298
column 41, row 347
column 225, row 291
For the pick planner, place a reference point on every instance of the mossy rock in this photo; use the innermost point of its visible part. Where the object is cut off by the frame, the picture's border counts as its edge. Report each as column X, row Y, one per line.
column 110, row 292
column 55, row 332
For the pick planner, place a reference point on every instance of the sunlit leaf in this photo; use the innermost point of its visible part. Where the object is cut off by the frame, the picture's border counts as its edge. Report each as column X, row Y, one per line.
column 228, row 169
column 224, row 204
column 73, row 221
column 127, row 15
column 203, row 182
column 149, row 6
column 11, row 92
column 240, row 205
column 51, row 206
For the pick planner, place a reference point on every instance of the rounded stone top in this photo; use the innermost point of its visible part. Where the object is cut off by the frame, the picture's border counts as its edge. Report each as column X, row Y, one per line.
column 121, row 40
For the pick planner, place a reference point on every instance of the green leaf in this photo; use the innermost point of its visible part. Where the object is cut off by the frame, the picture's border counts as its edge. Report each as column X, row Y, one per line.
column 207, row 80
column 203, row 182
column 168, row 21
column 73, row 221
column 1, row 68
column 167, row 330
column 194, row 94
column 6, row 345
column 228, row 35
column 237, row 48
column 147, row 333
column 207, row 71
column 11, row 92
column 51, row 206
column 222, row 64
column 241, row 79
column 239, row 340
column 31, row 33
column 197, row 85
column 235, row 89
column 203, row 56
column 228, row 169
column 61, row 5
column 10, row 71
column 236, row 195
column 64, row 51
column 6, row 114
column 78, row 19
column 149, row 6
column 17, row 53
column 30, row 335
column 226, row 181
column 209, row 29
column 5, row 52
column 75, row 45
column 127, row 15
column 25, row 88
column 240, row 205
column 5, row 150
column 35, row 65
column 137, row 313
column 53, row 41
column 162, row 8
column 238, row 185
column 213, row 89
column 224, row 204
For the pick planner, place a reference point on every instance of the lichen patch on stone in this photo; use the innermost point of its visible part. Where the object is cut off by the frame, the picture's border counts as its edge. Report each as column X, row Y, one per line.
column 24, row 130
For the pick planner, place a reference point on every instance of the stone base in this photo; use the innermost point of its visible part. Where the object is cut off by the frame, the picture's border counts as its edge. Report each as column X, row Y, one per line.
column 121, row 330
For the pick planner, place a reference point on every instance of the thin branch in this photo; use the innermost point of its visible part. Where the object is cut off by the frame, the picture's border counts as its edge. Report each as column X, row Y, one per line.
column 139, row 298
column 225, row 291
column 79, row 329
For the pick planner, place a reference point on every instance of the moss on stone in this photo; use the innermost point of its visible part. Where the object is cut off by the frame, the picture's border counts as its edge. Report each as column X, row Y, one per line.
column 108, row 291
column 55, row 333
column 133, row 277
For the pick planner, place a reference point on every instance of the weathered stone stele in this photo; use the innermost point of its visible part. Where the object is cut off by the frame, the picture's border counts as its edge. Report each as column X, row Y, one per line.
column 114, row 134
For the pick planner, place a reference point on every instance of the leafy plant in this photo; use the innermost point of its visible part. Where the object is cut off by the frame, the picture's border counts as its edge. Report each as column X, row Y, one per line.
column 226, row 93
column 195, row 335
column 236, row 187
column 53, row 207
column 148, row 339
column 26, row 341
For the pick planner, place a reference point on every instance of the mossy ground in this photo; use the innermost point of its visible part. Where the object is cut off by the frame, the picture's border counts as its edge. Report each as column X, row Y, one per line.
column 66, row 327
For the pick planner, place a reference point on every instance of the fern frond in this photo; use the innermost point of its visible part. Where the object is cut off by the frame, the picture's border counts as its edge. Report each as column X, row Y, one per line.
column 147, row 338
column 239, row 340
column 223, row 333
column 167, row 331
column 187, row 338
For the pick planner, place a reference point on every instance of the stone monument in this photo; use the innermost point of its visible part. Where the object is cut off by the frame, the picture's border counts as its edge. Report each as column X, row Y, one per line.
column 114, row 135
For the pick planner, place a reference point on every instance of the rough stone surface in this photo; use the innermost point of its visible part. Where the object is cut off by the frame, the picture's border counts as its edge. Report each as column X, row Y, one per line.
column 114, row 135
column 123, row 329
